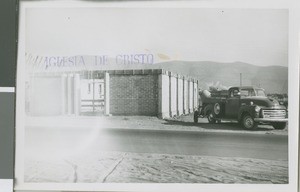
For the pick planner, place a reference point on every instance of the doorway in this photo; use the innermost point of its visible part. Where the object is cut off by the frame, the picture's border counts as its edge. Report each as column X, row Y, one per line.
column 92, row 94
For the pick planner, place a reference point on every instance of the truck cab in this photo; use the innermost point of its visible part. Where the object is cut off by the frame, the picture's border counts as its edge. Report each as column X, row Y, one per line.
column 248, row 105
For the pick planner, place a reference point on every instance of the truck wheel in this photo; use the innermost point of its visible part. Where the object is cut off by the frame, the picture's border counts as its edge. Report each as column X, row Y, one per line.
column 279, row 125
column 248, row 122
column 217, row 109
column 196, row 117
column 210, row 117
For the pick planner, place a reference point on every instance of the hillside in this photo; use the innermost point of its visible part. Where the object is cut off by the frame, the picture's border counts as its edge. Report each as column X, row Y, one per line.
column 274, row 79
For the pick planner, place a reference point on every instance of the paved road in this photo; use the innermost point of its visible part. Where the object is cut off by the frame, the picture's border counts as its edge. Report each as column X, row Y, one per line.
column 196, row 143
column 261, row 146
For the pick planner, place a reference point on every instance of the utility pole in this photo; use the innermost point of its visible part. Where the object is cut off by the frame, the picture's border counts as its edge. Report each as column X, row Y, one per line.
column 241, row 80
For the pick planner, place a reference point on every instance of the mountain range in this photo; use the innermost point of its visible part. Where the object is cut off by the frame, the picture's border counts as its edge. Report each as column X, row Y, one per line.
column 274, row 79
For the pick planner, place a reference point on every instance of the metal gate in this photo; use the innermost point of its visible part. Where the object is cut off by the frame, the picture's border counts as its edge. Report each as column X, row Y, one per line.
column 92, row 94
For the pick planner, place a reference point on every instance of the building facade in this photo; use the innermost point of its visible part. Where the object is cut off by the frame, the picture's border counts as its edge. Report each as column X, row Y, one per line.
column 147, row 92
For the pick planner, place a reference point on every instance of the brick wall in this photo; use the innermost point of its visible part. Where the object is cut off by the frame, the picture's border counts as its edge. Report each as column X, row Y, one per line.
column 134, row 94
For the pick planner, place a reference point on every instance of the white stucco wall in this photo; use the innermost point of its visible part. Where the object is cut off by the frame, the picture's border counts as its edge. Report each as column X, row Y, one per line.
column 191, row 98
column 195, row 95
column 163, row 91
column 45, row 96
column 186, row 96
column 180, row 96
column 173, row 98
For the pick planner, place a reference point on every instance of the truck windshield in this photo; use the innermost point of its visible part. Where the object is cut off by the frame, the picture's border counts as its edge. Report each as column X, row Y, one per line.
column 252, row 92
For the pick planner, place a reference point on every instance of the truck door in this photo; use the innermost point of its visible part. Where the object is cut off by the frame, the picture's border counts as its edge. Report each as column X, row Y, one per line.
column 232, row 104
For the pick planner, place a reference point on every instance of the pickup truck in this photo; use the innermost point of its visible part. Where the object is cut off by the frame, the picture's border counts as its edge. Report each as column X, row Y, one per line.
column 248, row 105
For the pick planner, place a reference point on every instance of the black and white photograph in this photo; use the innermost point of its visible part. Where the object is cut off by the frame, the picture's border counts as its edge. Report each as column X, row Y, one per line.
column 153, row 95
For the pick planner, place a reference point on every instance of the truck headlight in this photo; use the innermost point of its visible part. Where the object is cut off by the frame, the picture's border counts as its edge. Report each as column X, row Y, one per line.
column 257, row 109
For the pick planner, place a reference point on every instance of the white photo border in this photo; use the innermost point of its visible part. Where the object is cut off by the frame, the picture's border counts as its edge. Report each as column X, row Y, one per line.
column 293, row 92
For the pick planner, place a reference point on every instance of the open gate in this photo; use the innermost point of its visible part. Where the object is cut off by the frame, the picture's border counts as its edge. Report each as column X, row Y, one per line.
column 92, row 94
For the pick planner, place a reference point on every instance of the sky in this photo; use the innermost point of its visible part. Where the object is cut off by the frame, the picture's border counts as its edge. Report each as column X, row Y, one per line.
column 255, row 36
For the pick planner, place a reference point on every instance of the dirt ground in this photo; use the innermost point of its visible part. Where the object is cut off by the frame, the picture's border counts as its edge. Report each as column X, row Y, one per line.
column 117, row 167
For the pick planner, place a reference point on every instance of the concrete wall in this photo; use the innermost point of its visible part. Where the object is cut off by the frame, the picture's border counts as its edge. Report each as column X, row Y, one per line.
column 54, row 95
column 70, row 94
column 163, row 92
column 191, row 96
column 127, row 92
column 173, row 94
column 180, row 97
column 151, row 92
column 177, row 94
column 195, row 95
column 133, row 94
column 186, row 96
column 77, row 94
column 44, row 96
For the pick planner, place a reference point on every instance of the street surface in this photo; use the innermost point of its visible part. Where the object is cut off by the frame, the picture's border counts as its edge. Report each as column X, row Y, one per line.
column 139, row 149
column 258, row 146
column 194, row 143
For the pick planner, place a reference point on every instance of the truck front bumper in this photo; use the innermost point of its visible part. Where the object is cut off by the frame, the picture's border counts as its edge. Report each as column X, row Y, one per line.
column 270, row 120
